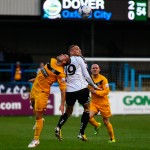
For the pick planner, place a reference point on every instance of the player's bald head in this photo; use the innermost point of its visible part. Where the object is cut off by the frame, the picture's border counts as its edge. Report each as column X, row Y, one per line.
column 95, row 66
column 74, row 50
column 95, row 69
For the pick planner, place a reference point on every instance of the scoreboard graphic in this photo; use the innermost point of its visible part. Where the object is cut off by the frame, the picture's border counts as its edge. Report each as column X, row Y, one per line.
column 106, row 10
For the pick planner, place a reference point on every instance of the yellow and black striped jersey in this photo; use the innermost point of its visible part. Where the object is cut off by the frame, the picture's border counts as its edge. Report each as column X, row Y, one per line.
column 48, row 75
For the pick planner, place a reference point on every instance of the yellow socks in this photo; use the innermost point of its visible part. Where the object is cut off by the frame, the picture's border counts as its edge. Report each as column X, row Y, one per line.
column 110, row 130
column 38, row 129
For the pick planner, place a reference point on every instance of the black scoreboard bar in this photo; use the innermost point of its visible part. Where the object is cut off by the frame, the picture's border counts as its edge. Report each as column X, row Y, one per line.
column 107, row 10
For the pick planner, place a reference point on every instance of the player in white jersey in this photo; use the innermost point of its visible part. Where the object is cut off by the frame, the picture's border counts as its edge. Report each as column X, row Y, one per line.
column 77, row 75
column 77, row 78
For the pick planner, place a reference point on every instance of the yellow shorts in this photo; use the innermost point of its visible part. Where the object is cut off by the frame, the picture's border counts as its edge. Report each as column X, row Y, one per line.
column 104, row 109
column 40, row 98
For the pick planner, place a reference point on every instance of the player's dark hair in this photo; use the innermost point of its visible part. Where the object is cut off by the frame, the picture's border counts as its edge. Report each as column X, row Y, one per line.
column 68, row 62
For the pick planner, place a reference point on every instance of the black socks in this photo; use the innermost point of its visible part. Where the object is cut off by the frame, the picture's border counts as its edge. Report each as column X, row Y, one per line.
column 84, row 122
column 62, row 120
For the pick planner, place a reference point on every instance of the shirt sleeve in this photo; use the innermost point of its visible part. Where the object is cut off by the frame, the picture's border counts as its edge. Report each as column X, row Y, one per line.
column 61, row 81
column 105, row 89
column 86, row 73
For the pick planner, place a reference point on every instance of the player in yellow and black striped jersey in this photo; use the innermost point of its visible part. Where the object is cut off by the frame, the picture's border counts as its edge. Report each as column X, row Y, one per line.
column 100, row 102
column 52, row 72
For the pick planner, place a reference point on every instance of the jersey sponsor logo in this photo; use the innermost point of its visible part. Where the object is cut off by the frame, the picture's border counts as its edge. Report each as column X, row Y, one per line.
column 44, row 72
column 53, row 71
column 99, row 83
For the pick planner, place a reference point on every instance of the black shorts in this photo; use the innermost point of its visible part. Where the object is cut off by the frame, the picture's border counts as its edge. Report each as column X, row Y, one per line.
column 82, row 96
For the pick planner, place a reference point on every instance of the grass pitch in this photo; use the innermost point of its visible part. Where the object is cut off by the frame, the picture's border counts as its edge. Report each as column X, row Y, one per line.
column 132, row 132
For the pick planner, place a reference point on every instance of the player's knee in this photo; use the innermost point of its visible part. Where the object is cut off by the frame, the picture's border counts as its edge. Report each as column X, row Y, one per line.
column 90, row 120
column 91, row 116
column 87, row 111
column 106, row 121
column 69, row 113
column 86, row 107
column 69, row 110
column 39, row 115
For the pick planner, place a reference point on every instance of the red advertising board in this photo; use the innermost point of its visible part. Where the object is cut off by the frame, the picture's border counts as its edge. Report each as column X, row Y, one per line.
column 19, row 104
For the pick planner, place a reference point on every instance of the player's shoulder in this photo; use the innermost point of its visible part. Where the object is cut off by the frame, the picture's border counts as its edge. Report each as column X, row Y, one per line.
column 52, row 61
column 54, row 65
column 76, row 57
column 79, row 58
column 102, row 77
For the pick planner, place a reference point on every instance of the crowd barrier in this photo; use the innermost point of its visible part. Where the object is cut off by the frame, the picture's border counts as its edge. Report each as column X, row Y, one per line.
column 129, row 76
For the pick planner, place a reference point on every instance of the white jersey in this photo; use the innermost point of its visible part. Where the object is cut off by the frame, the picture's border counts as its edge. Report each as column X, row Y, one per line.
column 77, row 75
